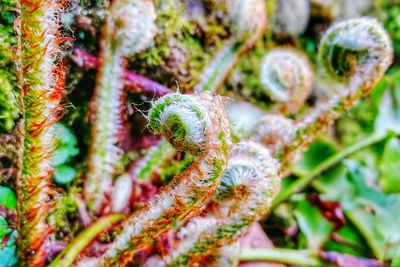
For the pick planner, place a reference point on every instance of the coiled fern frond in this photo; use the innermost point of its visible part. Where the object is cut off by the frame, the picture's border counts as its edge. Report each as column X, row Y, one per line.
column 287, row 77
column 273, row 131
column 291, row 17
column 354, row 53
column 195, row 124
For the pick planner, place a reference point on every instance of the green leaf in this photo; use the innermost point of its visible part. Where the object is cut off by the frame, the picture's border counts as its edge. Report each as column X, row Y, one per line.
column 312, row 224
column 8, row 198
column 373, row 213
column 63, row 155
column 331, row 180
column 351, row 242
column 389, row 113
column 396, row 259
column 64, row 174
column 315, row 154
column 64, row 135
column 66, row 143
column 4, row 229
column 8, row 256
column 390, row 166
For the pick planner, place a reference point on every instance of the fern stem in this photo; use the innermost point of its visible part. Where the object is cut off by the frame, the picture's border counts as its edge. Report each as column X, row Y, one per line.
column 305, row 180
column 245, row 194
column 248, row 21
column 67, row 257
column 157, row 155
column 219, row 68
column 129, row 29
column 133, row 82
column 280, row 255
column 41, row 80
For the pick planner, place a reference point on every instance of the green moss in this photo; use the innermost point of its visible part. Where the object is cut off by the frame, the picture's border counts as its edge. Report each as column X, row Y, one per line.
column 64, row 211
column 155, row 157
column 244, row 82
column 8, row 107
column 170, row 169
column 182, row 46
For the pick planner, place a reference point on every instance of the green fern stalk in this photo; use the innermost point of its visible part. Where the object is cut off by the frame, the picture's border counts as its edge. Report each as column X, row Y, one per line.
column 41, row 81
column 248, row 21
column 129, row 28
column 247, row 190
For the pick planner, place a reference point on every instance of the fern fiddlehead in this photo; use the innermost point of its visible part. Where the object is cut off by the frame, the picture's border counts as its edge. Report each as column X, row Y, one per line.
column 195, row 124
column 247, row 189
column 129, row 28
column 287, row 77
column 291, row 17
column 248, row 22
column 355, row 54
column 41, row 80
column 272, row 131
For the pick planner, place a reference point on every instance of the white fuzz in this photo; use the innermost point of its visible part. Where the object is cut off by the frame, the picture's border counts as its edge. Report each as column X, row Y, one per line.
column 246, row 17
column 133, row 25
column 122, row 193
column 286, row 75
column 291, row 17
column 368, row 38
column 273, row 131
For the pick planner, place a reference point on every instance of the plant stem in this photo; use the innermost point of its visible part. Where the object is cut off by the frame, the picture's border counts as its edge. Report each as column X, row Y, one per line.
column 303, row 181
column 218, row 70
column 133, row 82
column 41, row 87
column 67, row 257
column 286, row 256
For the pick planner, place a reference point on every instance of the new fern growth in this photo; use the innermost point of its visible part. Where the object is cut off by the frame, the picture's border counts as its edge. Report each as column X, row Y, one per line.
column 247, row 190
column 287, row 77
column 208, row 206
column 129, row 28
column 248, row 22
column 197, row 125
column 272, row 131
column 355, row 54
column 41, row 80
column 291, row 17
